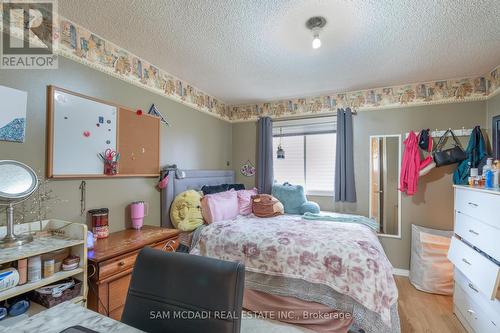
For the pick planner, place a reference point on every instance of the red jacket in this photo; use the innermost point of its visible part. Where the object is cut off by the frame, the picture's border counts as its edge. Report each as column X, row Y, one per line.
column 410, row 166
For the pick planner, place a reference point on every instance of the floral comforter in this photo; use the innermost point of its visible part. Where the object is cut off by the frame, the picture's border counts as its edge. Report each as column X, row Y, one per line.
column 344, row 256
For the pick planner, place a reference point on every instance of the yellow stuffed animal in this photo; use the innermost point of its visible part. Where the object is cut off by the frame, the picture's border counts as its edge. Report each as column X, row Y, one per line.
column 185, row 212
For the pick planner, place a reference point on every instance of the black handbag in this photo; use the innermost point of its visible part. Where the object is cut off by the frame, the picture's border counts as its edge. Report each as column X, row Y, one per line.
column 423, row 140
column 450, row 155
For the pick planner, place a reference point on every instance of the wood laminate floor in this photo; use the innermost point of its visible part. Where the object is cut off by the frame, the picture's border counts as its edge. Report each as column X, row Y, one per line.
column 423, row 312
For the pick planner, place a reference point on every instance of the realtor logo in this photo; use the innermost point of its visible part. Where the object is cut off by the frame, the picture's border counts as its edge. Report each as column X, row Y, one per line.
column 28, row 37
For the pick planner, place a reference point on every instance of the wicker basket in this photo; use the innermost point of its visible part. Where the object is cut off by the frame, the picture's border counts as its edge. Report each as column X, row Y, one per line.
column 48, row 301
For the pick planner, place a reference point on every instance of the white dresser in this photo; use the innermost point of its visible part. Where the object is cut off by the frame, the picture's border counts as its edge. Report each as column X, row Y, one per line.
column 475, row 252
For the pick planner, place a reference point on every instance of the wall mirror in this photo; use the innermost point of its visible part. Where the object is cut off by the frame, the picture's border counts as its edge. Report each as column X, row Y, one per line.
column 385, row 198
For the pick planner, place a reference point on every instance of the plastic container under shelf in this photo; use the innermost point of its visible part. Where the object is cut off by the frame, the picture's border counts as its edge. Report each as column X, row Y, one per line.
column 49, row 301
column 430, row 269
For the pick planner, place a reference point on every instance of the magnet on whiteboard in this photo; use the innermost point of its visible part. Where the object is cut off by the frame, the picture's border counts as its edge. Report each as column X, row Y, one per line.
column 108, row 121
column 108, row 142
column 101, row 120
column 86, row 134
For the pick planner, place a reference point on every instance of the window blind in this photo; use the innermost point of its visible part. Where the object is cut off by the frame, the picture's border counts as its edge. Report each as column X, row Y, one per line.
column 309, row 154
column 306, row 126
column 291, row 169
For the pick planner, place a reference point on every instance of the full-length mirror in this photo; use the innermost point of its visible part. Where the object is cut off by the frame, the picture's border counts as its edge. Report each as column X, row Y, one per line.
column 385, row 198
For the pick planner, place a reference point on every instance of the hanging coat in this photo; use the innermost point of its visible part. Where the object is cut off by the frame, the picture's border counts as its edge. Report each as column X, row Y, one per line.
column 476, row 157
column 410, row 165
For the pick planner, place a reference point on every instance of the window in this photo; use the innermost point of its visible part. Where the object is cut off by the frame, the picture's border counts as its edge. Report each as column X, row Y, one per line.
column 309, row 161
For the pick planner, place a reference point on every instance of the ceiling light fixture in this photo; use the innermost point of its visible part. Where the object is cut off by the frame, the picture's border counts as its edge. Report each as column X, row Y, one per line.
column 315, row 24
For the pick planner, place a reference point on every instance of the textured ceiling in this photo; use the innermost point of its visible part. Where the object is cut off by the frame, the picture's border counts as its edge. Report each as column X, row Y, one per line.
column 259, row 50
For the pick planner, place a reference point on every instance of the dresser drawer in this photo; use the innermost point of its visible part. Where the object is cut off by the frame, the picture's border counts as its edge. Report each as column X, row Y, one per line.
column 480, row 205
column 491, row 307
column 116, row 265
column 473, row 313
column 118, row 290
column 168, row 246
column 479, row 234
column 482, row 272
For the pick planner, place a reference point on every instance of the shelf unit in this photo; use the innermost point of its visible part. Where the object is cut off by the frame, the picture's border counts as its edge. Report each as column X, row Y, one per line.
column 49, row 236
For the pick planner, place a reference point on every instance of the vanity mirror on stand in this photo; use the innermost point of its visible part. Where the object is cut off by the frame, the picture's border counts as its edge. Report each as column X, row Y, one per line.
column 17, row 182
column 384, row 196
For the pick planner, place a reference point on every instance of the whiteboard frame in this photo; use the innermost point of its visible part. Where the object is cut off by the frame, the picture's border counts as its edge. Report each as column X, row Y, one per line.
column 51, row 89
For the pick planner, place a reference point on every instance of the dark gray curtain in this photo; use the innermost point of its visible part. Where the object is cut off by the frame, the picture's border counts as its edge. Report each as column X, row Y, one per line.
column 344, row 161
column 265, row 155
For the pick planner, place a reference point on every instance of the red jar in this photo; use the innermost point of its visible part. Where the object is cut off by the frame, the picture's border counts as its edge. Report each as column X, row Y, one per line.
column 100, row 222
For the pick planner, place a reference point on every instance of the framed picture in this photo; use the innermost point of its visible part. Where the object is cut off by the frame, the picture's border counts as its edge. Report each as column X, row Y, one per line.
column 496, row 136
column 12, row 114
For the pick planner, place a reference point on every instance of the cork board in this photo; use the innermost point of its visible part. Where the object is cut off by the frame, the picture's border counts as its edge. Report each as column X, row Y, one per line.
column 138, row 144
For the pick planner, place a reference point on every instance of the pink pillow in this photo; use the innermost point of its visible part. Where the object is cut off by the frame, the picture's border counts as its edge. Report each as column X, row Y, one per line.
column 245, row 200
column 220, row 206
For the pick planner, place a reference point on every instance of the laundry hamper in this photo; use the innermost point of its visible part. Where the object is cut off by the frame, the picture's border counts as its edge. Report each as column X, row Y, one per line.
column 430, row 269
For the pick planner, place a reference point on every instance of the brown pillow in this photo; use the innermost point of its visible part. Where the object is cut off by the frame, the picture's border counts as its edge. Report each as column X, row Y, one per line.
column 265, row 205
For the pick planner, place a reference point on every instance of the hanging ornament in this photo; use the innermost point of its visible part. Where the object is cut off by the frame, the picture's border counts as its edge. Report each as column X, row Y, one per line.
column 280, row 152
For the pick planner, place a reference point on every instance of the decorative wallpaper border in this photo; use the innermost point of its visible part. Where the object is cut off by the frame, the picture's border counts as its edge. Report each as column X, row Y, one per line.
column 428, row 93
column 81, row 45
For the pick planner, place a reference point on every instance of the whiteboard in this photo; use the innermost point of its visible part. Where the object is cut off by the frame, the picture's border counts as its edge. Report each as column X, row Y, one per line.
column 82, row 128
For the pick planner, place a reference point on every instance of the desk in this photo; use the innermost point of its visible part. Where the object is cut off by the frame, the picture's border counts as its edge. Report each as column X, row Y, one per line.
column 68, row 314
column 111, row 263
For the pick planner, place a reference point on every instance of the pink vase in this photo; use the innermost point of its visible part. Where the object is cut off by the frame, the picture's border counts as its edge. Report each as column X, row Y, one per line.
column 138, row 210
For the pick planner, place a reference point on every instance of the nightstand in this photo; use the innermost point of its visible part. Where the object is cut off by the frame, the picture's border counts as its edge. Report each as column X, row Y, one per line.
column 112, row 260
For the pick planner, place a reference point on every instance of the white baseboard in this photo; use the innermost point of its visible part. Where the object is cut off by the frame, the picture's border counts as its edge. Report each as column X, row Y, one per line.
column 401, row 272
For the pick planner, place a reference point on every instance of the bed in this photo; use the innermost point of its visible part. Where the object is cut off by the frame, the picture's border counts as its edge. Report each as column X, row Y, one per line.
column 322, row 275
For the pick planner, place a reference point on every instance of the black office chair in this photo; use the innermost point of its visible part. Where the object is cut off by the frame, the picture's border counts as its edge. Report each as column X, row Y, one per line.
column 178, row 292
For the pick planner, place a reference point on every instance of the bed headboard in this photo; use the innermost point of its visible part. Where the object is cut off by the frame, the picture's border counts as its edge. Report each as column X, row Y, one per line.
column 194, row 180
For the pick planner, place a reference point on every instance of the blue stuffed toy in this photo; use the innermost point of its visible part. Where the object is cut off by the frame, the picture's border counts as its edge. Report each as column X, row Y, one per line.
column 294, row 199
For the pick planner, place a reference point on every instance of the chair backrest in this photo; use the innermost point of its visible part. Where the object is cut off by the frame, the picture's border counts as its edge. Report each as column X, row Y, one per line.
column 178, row 292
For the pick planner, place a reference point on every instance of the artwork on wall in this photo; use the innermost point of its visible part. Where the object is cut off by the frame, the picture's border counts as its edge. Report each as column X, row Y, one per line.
column 12, row 114
column 248, row 169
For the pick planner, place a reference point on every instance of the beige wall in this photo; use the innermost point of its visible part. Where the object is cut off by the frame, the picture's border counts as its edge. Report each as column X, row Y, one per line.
column 432, row 206
column 492, row 109
column 195, row 140
column 244, row 149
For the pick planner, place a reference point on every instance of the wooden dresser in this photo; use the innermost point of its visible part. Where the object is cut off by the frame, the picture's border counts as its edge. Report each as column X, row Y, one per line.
column 112, row 260
column 475, row 252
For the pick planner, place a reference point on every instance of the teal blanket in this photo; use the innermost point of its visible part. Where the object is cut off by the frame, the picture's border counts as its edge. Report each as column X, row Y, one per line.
column 370, row 223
